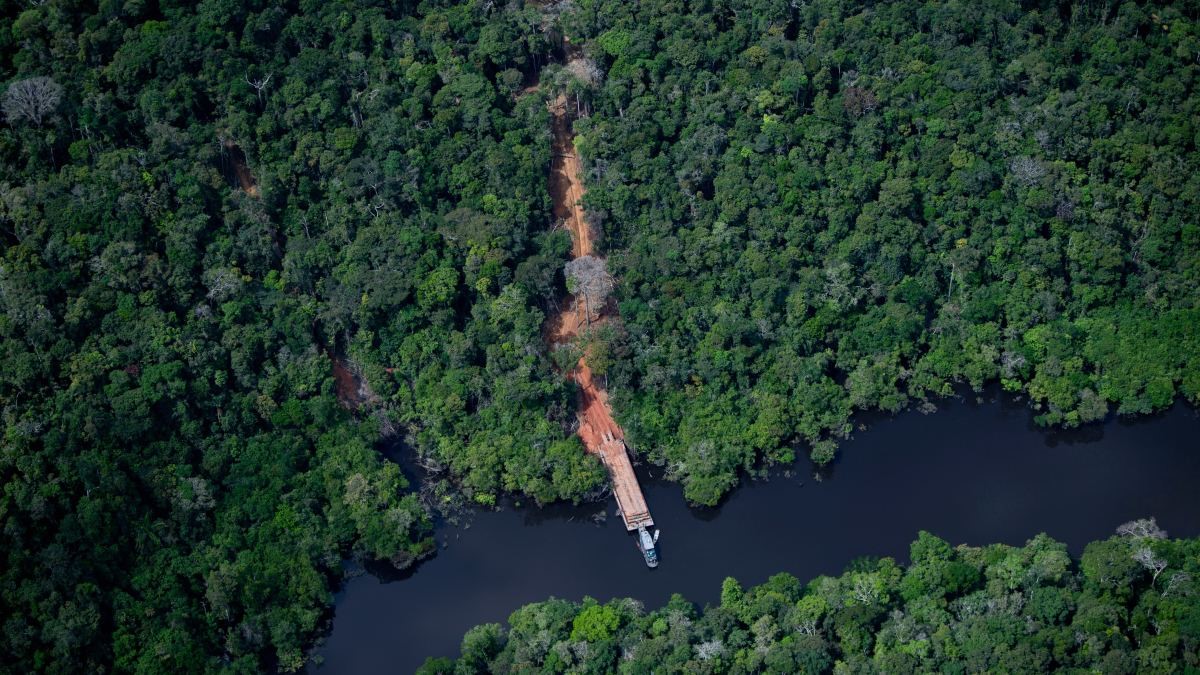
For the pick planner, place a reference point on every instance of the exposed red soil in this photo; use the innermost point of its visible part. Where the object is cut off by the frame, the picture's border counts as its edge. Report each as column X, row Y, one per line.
column 566, row 188
column 600, row 433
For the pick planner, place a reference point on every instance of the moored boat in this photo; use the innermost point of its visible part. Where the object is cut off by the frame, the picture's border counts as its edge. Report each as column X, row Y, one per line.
column 647, row 544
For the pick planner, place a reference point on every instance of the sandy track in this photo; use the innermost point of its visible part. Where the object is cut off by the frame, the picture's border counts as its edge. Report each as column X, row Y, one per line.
column 600, row 433
column 566, row 187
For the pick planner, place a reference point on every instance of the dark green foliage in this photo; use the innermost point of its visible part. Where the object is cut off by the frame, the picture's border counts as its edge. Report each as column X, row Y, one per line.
column 811, row 208
column 991, row 609
column 818, row 207
column 179, row 482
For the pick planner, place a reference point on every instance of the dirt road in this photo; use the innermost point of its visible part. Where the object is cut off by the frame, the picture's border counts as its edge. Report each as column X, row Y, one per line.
column 566, row 187
column 600, row 433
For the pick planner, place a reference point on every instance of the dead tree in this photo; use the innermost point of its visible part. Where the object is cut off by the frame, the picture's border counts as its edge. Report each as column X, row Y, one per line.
column 588, row 276
column 258, row 85
column 1179, row 581
column 1151, row 562
column 32, row 100
column 579, row 79
column 1144, row 528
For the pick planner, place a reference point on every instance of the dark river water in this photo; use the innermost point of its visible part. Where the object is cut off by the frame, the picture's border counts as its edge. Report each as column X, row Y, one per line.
column 971, row 473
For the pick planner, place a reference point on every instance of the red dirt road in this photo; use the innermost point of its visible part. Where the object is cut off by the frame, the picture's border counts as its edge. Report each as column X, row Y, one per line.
column 600, row 433
column 566, row 188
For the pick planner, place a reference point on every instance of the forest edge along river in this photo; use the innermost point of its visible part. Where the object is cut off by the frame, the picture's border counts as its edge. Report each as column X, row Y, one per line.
column 973, row 472
column 221, row 235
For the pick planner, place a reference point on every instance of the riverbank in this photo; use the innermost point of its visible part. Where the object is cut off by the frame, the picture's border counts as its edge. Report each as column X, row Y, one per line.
column 953, row 608
column 971, row 473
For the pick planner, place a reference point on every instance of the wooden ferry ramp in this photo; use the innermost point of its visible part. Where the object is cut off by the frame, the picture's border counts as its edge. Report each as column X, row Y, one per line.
column 597, row 429
column 630, row 500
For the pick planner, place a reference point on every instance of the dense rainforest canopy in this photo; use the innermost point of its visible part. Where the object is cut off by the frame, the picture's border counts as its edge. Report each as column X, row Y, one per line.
column 809, row 208
column 1129, row 604
column 817, row 207
column 180, row 485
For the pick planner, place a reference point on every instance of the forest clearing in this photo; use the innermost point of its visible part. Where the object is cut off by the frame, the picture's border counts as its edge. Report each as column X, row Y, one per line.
column 600, row 433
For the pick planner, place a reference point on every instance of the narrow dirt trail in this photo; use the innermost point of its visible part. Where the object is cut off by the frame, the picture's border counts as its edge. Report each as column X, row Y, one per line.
column 600, row 433
column 566, row 187
column 566, row 194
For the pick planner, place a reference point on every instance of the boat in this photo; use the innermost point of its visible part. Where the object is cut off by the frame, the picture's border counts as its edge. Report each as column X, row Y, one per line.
column 647, row 544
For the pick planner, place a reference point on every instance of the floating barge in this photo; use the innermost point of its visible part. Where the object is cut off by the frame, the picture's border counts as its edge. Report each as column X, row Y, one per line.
column 630, row 501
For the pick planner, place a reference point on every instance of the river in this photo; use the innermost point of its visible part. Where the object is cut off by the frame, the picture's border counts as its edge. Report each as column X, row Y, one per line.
column 974, row 472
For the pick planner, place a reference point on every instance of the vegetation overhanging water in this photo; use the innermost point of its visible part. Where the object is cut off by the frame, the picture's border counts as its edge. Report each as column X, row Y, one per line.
column 973, row 472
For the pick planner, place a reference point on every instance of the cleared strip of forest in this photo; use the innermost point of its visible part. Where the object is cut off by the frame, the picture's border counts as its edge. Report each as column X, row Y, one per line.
column 600, row 433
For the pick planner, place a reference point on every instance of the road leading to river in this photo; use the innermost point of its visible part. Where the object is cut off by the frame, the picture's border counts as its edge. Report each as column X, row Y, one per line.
column 600, row 433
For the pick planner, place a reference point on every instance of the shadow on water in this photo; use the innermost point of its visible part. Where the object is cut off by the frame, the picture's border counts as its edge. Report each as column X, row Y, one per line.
column 594, row 513
column 1091, row 433
column 976, row 471
column 386, row 573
